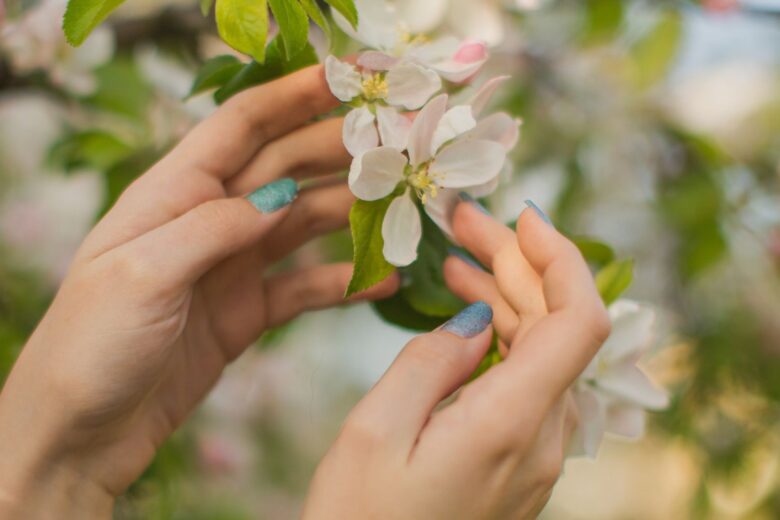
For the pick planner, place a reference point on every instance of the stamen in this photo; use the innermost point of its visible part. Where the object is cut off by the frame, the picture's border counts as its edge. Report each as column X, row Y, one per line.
column 375, row 87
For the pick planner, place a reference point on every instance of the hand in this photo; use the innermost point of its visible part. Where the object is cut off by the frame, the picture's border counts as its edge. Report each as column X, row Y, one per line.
column 168, row 289
column 498, row 449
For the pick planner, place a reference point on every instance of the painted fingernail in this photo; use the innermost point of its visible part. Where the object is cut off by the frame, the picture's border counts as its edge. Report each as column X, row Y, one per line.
column 470, row 321
column 538, row 210
column 274, row 196
column 459, row 253
column 465, row 197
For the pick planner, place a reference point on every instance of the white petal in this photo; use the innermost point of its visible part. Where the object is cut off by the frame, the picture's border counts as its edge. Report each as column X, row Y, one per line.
column 500, row 128
column 401, row 231
column 440, row 208
column 457, row 72
column 377, row 24
column 375, row 60
column 485, row 94
column 394, row 128
column 410, row 85
column 590, row 430
column 626, row 421
column 465, row 164
column 633, row 331
column 630, row 384
column 483, row 190
column 481, row 19
column 421, row 16
column 423, row 128
column 359, row 131
column 455, row 122
column 438, row 50
column 376, row 173
column 343, row 79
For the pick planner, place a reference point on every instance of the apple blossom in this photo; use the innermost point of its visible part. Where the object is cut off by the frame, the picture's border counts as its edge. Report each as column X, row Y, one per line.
column 613, row 392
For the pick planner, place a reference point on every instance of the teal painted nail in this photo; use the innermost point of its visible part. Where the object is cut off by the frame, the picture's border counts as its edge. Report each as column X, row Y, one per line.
column 454, row 251
column 470, row 321
column 274, row 196
column 465, row 197
column 538, row 210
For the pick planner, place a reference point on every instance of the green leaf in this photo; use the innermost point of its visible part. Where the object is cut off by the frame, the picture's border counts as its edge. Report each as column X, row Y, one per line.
column 396, row 310
column 243, row 24
column 82, row 16
column 293, row 25
column 312, row 8
column 653, row 55
column 122, row 90
column 215, row 73
column 93, row 149
column 365, row 221
column 205, row 6
column 614, row 279
column 347, row 9
column 604, row 18
column 275, row 66
column 595, row 252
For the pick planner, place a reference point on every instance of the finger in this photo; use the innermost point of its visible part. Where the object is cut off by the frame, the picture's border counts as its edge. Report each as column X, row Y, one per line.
column 312, row 150
column 314, row 288
column 181, row 251
column 429, row 369
column 471, row 285
column 495, row 245
column 316, row 212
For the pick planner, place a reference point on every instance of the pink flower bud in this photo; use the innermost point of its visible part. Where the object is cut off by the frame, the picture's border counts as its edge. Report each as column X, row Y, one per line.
column 471, row 52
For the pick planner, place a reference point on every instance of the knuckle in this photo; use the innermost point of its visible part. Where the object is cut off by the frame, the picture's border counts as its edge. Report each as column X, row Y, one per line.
column 135, row 270
column 550, row 469
column 425, row 353
column 600, row 324
column 215, row 217
column 361, row 431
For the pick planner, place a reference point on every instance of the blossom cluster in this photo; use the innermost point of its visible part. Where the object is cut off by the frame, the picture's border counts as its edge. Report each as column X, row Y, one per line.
column 405, row 135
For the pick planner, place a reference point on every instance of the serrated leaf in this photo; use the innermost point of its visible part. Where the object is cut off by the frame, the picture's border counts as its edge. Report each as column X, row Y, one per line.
column 312, row 8
column 82, row 16
column 614, row 279
column 293, row 25
column 347, row 9
column 215, row 73
column 275, row 66
column 243, row 24
column 205, row 6
column 365, row 220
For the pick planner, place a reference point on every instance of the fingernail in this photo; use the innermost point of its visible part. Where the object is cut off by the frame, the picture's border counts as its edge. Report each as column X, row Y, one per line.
column 465, row 197
column 459, row 253
column 470, row 321
column 274, row 196
column 539, row 212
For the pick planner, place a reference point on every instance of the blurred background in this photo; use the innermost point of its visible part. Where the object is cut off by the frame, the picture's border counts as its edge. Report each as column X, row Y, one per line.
column 651, row 125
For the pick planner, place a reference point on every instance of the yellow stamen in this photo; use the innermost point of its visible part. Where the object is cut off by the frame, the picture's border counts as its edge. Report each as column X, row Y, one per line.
column 375, row 87
column 424, row 184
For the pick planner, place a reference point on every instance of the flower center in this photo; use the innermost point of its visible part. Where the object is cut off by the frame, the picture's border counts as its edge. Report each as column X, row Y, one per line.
column 424, row 183
column 374, row 87
column 411, row 39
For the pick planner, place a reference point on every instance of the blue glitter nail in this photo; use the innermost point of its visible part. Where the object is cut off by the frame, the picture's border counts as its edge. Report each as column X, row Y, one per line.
column 539, row 212
column 454, row 251
column 465, row 197
column 274, row 196
column 470, row 321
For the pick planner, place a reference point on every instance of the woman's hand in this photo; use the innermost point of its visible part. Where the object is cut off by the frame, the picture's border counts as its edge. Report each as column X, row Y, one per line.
column 169, row 288
column 497, row 451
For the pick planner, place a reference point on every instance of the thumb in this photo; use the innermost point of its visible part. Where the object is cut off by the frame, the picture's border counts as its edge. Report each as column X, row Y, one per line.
column 184, row 249
column 429, row 369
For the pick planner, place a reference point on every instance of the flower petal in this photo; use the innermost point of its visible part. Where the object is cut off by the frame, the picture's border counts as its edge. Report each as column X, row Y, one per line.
column 421, row 17
column 500, row 128
column 441, row 208
column 627, row 421
column 465, row 164
column 455, row 122
column 456, row 71
column 423, row 128
column 480, row 19
column 375, row 60
column 630, row 384
column 592, row 421
column 359, row 131
column 394, row 128
column 401, row 231
column 343, row 79
column 632, row 331
column 377, row 24
column 485, row 93
column 410, row 85
column 376, row 173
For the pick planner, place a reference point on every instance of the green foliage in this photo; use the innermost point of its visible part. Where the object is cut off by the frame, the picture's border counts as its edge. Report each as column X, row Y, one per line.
column 596, row 253
column 121, row 90
column 347, row 10
column 293, row 25
column 95, row 149
column 215, row 73
column 603, row 19
column 243, row 24
column 653, row 55
column 365, row 221
column 82, row 16
column 205, row 6
column 312, row 9
column 614, row 279
column 398, row 311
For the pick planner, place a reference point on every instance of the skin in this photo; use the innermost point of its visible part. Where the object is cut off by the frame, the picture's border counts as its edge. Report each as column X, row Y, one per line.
column 172, row 285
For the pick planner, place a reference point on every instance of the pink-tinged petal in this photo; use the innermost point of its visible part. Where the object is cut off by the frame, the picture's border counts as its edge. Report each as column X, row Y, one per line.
column 375, row 60
column 499, row 128
column 376, row 173
column 401, row 231
column 394, row 127
column 626, row 421
column 485, row 94
column 343, row 79
column 455, row 122
column 438, row 50
column 592, row 422
column 628, row 383
column 423, row 128
column 359, row 131
column 465, row 164
column 471, row 52
column 441, row 208
column 633, row 331
column 457, row 72
column 410, row 85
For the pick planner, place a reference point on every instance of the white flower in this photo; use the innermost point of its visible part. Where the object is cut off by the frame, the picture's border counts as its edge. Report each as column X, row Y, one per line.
column 613, row 392
column 447, row 152
column 404, row 85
